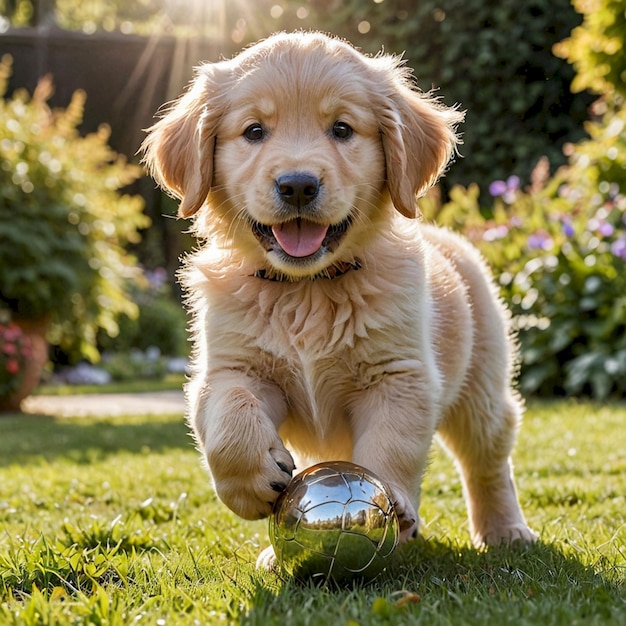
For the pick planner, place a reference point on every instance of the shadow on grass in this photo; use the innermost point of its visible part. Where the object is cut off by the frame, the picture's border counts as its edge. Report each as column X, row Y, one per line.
column 28, row 439
column 432, row 582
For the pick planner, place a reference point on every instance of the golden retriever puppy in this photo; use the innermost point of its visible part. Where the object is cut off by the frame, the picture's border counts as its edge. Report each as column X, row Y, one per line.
column 328, row 322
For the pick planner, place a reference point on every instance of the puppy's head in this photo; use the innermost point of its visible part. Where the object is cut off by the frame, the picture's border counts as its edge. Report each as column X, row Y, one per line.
column 293, row 149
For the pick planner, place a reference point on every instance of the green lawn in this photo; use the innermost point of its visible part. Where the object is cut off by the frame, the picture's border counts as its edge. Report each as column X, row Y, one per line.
column 169, row 382
column 113, row 521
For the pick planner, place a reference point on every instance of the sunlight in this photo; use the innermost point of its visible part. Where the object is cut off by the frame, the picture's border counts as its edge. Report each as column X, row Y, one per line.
column 228, row 22
column 234, row 20
column 197, row 17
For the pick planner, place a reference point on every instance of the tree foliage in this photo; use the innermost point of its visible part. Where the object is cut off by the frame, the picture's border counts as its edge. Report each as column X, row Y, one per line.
column 494, row 59
column 596, row 47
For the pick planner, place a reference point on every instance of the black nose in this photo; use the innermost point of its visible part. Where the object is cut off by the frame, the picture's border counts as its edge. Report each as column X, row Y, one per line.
column 297, row 189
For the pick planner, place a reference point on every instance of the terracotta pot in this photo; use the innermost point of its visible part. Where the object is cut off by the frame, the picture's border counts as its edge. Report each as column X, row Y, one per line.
column 36, row 330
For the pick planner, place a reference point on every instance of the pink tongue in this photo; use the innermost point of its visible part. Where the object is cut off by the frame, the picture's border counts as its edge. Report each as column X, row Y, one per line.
column 300, row 238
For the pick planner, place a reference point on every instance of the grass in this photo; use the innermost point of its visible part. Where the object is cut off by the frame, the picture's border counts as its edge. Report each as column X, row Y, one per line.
column 113, row 521
column 168, row 383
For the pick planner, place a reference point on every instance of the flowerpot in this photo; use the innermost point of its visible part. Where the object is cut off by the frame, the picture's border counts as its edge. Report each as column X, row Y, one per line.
column 36, row 331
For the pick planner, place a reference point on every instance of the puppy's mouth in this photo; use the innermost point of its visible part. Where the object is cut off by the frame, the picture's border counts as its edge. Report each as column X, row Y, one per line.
column 301, row 239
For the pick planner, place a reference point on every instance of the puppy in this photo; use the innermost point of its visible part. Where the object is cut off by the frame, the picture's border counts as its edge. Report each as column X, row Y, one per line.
column 329, row 323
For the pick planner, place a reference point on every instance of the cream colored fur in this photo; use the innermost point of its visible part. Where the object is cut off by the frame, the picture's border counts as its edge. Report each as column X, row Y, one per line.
column 367, row 366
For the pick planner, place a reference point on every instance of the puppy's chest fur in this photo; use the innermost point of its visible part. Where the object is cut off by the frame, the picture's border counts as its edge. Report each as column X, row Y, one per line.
column 312, row 331
column 323, row 341
column 317, row 341
column 313, row 318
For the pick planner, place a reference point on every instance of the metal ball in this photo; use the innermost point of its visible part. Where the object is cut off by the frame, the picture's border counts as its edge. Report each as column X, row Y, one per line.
column 335, row 521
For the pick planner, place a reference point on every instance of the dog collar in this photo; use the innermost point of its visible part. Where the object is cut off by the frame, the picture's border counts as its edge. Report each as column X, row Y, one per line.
column 334, row 271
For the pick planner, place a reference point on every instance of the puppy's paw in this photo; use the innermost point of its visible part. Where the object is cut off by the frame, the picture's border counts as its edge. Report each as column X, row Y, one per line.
column 504, row 535
column 251, row 489
column 407, row 516
column 267, row 560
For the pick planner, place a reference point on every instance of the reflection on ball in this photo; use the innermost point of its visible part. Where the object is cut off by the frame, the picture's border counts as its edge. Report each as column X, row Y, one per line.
column 334, row 521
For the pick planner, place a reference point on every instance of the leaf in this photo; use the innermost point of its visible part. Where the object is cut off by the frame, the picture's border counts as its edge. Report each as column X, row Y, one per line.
column 580, row 370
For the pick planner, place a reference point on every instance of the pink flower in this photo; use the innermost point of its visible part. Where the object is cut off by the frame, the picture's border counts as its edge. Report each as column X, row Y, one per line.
column 15, row 352
column 11, row 333
column 12, row 366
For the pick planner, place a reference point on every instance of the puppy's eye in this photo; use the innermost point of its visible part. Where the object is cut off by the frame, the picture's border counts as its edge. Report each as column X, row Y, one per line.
column 254, row 132
column 341, row 130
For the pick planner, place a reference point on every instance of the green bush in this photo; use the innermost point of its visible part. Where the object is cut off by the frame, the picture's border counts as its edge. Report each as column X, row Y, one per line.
column 596, row 48
column 63, row 223
column 494, row 59
column 559, row 253
column 135, row 365
column 559, row 247
column 161, row 323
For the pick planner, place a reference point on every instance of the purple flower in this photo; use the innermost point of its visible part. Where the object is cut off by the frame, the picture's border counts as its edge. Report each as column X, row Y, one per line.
column 618, row 247
column 540, row 240
column 157, row 278
column 507, row 189
column 568, row 228
column 600, row 226
column 606, row 229
column 512, row 182
column 497, row 188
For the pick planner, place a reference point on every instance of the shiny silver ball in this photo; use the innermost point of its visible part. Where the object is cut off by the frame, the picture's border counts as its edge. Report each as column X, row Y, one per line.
column 336, row 521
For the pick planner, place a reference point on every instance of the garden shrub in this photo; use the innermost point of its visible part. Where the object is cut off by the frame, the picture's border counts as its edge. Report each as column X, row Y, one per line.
column 596, row 48
column 144, row 344
column 160, row 323
column 135, row 365
column 558, row 250
column 64, row 224
column 558, row 247
column 494, row 59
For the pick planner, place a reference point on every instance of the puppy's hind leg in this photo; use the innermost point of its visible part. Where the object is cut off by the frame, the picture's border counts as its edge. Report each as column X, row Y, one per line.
column 480, row 434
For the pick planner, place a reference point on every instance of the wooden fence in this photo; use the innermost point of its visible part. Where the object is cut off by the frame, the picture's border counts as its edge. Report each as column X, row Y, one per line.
column 126, row 78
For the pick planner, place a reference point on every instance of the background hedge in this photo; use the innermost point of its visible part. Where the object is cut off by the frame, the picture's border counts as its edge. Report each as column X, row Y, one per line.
column 558, row 247
column 495, row 59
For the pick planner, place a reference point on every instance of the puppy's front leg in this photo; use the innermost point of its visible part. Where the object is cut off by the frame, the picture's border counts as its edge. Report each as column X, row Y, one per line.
column 393, row 426
column 235, row 418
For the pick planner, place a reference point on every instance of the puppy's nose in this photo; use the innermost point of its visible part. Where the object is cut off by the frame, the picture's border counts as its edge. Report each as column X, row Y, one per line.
column 297, row 189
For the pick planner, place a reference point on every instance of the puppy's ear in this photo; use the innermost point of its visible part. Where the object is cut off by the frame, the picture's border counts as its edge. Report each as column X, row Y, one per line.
column 179, row 147
column 419, row 138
